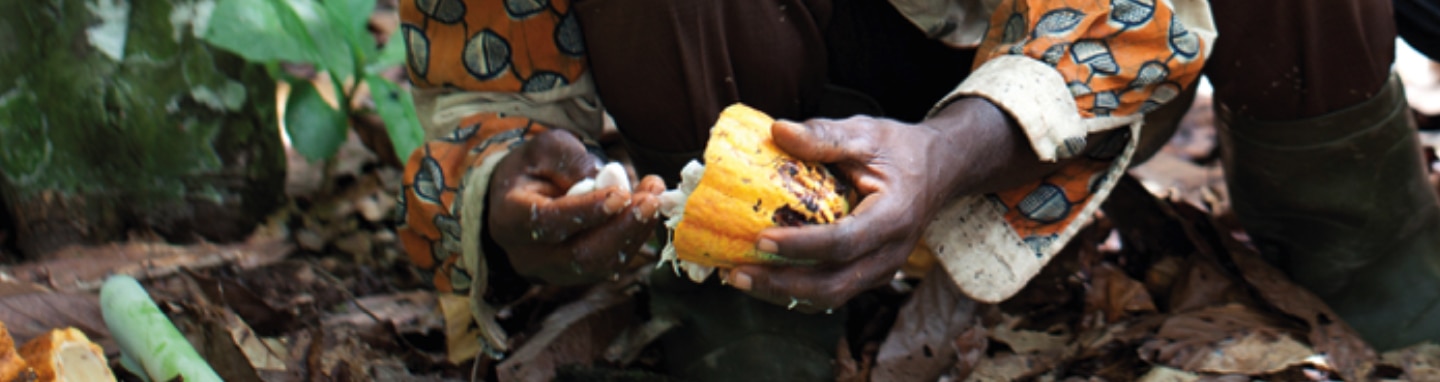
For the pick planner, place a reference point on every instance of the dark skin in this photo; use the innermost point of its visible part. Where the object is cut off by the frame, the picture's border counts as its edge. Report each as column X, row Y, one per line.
column 976, row 149
column 566, row 240
column 905, row 173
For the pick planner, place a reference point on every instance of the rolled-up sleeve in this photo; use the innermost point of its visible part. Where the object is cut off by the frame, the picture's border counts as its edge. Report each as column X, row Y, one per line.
column 1066, row 71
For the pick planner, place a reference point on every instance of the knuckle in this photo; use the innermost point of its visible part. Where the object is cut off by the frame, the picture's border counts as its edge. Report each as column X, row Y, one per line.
column 837, row 288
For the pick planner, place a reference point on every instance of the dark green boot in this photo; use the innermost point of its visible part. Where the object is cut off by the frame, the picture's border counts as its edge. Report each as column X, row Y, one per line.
column 1341, row 202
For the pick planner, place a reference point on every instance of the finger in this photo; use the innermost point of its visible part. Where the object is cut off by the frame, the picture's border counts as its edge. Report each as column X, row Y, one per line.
column 806, row 289
column 867, row 227
column 824, row 140
column 645, row 207
column 776, row 285
column 559, row 157
column 651, row 184
column 553, row 220
column 607, row 247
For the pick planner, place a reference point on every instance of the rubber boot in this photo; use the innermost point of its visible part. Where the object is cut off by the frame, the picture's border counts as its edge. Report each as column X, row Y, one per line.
column 1341, row 202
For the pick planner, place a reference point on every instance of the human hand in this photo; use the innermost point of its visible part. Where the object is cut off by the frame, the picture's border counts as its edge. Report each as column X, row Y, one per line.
column 904, row 174
column 563, row 239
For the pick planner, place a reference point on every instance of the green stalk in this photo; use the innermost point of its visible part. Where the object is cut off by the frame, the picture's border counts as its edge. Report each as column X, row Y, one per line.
column 147, row 337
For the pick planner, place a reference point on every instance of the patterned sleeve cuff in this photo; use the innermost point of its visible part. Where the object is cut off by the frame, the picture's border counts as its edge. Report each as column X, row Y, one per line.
column 991, row 257
column 985, row 242
column 1036, row 96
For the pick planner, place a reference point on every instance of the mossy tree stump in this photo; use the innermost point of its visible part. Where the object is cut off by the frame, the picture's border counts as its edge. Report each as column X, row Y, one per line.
column 115, row 116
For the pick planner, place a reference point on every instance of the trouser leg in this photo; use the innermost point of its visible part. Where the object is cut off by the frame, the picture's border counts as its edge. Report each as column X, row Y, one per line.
column 665, row 69
column 1323, row 165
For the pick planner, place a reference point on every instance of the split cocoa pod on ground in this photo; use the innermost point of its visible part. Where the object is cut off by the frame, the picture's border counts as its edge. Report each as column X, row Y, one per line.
column 747, row 184
column 63, row 355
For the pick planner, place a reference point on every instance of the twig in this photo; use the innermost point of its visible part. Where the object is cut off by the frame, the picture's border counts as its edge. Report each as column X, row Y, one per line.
column 349, row 296
column 356, row 301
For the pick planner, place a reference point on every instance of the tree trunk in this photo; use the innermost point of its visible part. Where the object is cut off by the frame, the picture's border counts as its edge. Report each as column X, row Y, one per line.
column 115, row 116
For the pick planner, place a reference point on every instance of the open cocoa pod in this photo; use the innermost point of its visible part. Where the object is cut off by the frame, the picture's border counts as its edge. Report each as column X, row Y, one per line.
column 747, row 184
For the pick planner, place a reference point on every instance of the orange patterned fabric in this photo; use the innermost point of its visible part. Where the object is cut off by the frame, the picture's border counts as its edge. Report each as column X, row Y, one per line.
column 1118, row 57
column 430, row 194
column 508, row 46
column 492, row 45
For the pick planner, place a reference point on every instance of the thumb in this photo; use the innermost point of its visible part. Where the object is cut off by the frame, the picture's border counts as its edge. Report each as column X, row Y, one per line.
column 822, row 140
column 561, row 158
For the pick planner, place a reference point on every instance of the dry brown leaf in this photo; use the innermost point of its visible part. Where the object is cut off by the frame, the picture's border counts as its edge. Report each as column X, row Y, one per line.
column 1161, row 276
column 1419, row 362
column 847, row 369
column 1174, row 178
column 1187, row 340
column 258, row 314
column 85, row 268
column 1166, row 374
column 970, row 349
column 32, row 314
column 417, row 311
column 207, row 328
column 1203, row 283
column 920, row 344
column 1195, row 138
column 462, row 337
column 1115, row 294
column 339, row 351
column 1256, row 354
column 264, row 353
column 1029, row 341
column 1328, row 334
column 1012, row 367
column 304, row 179
column 633, row 340
column 577, row 333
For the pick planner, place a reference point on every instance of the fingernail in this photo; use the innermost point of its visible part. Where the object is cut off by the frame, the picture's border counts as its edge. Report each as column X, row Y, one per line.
column 740, row 280
column 615, row 202
column 767, row 246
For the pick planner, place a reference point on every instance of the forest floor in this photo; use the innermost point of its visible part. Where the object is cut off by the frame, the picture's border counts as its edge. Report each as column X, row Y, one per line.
column 1163, row 286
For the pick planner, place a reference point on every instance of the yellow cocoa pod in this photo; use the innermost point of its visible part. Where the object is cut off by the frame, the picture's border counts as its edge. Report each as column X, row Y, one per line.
column 63, row 355
column 749, row 184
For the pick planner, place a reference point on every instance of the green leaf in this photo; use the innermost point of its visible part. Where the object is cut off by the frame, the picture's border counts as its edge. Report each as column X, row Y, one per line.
column 352, row 16
column 397, row 108
column 332, row 45
column 391, row 56
column 316, row 130
column 258, row 30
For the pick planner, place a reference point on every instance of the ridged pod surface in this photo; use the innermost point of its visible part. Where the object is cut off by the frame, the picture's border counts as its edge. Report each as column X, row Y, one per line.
column 749, row 184
column 66, row 355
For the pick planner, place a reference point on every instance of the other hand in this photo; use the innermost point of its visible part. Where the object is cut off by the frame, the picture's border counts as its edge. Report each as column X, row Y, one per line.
column 904, row 174
column 562, row 239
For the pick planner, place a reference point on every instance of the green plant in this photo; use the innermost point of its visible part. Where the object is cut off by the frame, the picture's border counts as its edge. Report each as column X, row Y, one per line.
column 332, row 36
column 150, row 345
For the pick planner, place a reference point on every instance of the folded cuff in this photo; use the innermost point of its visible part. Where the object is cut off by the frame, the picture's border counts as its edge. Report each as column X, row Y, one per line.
column 986, row 256
column 1036, row 96
column 472, row 213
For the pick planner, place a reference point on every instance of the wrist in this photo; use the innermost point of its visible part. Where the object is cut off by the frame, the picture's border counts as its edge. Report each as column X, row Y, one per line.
column 983, row 148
